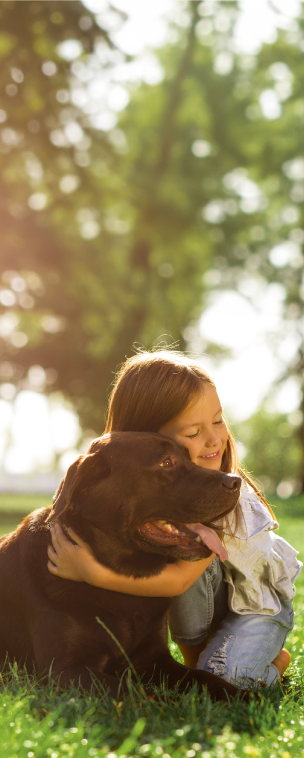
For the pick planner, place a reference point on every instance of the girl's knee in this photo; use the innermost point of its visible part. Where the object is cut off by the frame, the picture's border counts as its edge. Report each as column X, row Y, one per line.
column 239, row 664
column 216, row 658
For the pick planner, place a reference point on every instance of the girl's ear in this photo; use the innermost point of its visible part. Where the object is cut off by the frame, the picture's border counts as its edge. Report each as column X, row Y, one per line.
column 85, row 470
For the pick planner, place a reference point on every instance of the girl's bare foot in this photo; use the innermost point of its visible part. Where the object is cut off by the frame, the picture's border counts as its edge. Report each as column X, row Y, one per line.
column 282, row 661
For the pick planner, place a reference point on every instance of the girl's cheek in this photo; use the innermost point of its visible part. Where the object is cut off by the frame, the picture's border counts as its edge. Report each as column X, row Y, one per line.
column 186, row 443
column 191, row 448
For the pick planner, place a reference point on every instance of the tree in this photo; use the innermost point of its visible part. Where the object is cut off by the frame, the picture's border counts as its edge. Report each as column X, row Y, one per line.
column 143, row 235
column 44, row 143
column 256, row 209
column 190, row 179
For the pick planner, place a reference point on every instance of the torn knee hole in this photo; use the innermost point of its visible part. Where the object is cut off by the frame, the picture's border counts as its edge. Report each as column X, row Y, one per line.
column 218, row 660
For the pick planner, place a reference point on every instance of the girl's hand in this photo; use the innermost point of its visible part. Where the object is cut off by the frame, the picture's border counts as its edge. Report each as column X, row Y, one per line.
column 67, row 560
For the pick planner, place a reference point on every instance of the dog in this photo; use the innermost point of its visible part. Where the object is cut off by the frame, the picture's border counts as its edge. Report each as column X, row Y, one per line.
column 130, row 498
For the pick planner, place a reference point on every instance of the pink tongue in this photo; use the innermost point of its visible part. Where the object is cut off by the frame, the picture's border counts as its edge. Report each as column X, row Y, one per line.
column 211, row 539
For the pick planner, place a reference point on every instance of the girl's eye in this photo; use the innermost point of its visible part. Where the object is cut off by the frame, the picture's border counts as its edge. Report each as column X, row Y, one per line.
column 191, row 436
column 221, row 421
column 167, row 463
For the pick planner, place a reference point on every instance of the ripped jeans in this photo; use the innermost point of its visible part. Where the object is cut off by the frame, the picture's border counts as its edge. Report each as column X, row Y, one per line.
column 242, row 647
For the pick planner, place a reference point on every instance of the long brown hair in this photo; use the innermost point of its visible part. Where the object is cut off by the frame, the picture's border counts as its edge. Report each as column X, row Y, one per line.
column 153, row 388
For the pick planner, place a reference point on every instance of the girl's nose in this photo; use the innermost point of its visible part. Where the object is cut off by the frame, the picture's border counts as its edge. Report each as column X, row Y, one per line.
column 212, row 438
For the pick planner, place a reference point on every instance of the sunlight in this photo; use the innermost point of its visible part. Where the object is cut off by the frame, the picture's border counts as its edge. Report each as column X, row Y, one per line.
column 33, row 430
column 244, row 378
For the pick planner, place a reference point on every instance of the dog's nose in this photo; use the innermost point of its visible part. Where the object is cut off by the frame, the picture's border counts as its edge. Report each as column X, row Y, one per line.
column 231, row 482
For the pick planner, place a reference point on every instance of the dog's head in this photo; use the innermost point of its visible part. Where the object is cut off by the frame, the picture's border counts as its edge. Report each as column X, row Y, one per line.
column 141, row 490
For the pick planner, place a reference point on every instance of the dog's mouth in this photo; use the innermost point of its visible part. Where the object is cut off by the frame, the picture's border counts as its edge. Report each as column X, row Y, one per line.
column 163, row 532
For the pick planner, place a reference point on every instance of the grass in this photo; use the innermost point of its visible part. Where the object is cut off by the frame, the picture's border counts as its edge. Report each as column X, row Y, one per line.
column 38, row 720
column 14, row 507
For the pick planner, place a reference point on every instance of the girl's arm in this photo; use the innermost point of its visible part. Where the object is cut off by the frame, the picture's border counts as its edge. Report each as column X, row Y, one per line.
column 76, row 562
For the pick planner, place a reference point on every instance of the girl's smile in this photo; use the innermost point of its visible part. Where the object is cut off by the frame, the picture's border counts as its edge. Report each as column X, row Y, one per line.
column 202, row 429
column 212, row 456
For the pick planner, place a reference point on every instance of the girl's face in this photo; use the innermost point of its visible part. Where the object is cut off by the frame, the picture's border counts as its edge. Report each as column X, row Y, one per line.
column 201, row 428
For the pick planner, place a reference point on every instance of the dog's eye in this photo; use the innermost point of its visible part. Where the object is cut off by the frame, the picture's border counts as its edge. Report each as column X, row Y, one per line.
column 167, row 462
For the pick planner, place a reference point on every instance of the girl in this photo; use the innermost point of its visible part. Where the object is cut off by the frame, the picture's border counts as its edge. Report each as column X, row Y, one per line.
column 232, row 618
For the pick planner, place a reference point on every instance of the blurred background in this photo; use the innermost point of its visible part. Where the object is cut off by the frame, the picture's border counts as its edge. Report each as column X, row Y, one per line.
column 151, row 192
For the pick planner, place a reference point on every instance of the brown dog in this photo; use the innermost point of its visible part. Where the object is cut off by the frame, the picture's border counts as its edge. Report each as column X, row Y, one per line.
column 129, row 498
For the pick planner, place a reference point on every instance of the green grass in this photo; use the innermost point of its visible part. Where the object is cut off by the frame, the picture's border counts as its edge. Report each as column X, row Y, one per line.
column 38, row 720
column 13, row 503
column 14, row 507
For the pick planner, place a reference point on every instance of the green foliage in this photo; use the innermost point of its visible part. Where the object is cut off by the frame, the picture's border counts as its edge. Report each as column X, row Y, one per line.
column 273, row 445
column 290, row 511
column 112, row 231
column 94, row 296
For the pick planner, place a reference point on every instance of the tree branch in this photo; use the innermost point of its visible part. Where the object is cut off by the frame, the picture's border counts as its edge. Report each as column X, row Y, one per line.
column 176, row 90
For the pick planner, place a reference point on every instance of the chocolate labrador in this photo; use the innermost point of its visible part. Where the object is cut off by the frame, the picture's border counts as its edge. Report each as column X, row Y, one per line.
column 130, row 498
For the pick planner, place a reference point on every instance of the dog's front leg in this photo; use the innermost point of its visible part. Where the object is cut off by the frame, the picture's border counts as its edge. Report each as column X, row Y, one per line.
column 60, row 647
column 171, row 673
column 88, row 677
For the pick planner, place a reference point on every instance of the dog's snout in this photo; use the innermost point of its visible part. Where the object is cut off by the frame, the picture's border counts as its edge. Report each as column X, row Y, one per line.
column 231, row 482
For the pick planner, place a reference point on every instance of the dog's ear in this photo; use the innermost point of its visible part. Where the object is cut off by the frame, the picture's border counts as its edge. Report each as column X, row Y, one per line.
column 83, row 472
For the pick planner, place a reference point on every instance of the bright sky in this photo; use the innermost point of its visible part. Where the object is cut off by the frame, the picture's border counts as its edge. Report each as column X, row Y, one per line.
column 146, row 25
column 244, row 379
column 34, row 429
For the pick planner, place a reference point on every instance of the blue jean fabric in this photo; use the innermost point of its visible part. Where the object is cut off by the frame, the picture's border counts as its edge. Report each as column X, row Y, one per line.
column 242, row 647
column 203, row 606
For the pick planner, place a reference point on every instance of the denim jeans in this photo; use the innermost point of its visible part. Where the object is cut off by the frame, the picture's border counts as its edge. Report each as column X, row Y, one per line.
column 203, row 606
column 242, row 647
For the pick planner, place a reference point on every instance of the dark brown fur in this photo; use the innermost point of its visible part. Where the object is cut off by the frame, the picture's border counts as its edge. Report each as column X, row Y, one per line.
column 108, row 496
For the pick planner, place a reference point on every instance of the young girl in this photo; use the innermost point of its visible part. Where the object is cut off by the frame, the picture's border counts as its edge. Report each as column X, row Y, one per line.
column 229, row 618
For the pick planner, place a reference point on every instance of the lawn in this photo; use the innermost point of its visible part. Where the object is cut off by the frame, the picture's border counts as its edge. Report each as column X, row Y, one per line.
column 40, row 721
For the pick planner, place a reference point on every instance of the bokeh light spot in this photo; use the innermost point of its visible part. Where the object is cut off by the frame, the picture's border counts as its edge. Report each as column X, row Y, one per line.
column 200, row 148
column 69, row 183
column 37, row 201
column 69, row 49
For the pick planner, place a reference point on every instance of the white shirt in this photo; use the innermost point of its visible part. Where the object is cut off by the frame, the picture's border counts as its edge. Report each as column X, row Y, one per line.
column 260, row 564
